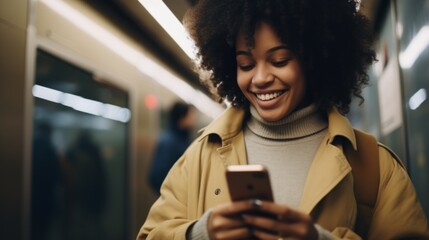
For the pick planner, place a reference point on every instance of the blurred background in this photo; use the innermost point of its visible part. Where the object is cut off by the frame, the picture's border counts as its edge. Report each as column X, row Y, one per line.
column 85, row 90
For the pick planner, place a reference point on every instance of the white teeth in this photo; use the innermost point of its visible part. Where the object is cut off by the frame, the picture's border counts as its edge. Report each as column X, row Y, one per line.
column 268, row 96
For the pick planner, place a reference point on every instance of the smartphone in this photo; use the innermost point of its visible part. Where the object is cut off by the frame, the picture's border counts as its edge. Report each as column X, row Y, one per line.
column 249, row 182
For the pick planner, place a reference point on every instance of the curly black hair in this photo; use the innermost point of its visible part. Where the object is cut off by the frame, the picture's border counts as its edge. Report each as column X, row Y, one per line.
column 330, row 37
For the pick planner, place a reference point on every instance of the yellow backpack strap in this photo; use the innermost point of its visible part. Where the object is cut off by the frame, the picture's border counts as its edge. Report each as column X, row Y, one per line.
column 366, row 174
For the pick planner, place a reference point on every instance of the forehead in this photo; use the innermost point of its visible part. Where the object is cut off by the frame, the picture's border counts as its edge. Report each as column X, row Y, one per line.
column 264, row 36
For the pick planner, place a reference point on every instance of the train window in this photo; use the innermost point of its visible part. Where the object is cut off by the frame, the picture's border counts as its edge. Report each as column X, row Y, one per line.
column 80, row 154
column 399, row 89
column 412, row 28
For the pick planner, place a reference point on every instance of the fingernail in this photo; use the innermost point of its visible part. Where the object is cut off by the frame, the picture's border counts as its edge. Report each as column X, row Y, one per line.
column 256, row 203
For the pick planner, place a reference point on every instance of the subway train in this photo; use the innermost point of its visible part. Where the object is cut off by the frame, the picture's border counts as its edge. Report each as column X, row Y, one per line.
column 89, row 82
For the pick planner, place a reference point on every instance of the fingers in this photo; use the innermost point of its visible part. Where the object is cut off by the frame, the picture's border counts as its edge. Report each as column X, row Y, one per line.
column 225, row 221
column 234, row 208
column 288, row 222
column 236, row 233
column 282, row 212
column 220, row 222
column 271, row 236
column 265, row 228
column 241, row 220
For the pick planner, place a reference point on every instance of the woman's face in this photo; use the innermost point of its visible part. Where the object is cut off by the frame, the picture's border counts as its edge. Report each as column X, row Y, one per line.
column 269, row 75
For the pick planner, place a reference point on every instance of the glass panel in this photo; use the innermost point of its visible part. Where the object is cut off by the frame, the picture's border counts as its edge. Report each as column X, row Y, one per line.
column 362, row 115
column 392, row 132
column 383, row 95
column 413, row 30
column 80, row 154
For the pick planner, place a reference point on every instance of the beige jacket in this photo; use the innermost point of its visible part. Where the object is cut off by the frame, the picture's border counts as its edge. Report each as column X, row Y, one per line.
column 197, row 182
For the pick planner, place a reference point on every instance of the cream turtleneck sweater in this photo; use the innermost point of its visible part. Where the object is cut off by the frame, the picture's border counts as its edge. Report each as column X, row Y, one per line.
column 287, row 148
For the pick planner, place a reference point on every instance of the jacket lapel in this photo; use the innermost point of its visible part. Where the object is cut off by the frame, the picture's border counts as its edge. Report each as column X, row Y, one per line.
column 330, row 165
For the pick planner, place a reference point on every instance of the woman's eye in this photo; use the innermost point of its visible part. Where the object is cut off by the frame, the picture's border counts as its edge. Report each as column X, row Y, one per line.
column 280, row 63
column 246, row 67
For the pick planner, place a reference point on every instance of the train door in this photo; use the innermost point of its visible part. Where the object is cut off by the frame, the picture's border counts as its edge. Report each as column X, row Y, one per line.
column 80, row 154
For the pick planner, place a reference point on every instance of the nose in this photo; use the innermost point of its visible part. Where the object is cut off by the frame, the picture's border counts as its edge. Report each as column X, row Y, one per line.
column 262, row 76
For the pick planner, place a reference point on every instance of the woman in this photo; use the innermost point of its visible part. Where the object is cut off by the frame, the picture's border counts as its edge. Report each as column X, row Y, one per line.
column 289, row 69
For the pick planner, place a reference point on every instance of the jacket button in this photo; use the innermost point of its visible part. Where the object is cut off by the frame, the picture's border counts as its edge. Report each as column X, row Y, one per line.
column 217, row 191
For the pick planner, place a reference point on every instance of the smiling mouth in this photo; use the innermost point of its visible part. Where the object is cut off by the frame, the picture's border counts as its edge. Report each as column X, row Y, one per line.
column 269, row 96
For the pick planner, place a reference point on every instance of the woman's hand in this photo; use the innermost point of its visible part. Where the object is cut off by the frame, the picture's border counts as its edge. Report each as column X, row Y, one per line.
column 226, row 221
column 238, row 220
column 287, row 223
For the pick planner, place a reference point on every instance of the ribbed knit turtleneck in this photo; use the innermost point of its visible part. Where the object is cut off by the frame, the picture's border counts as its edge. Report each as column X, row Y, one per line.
column 301, row 123
column 287, row 148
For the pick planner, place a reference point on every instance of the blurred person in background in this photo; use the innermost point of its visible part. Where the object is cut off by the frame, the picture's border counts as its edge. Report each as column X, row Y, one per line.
column 45, row 179
column 86, row 188
column 172, row 142
column 290, row 69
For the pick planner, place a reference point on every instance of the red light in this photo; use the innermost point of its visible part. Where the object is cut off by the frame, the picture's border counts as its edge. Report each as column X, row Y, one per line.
column 151, row 101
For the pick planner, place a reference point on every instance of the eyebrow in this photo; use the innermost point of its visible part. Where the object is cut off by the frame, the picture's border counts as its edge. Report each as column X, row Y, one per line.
column 247, row 53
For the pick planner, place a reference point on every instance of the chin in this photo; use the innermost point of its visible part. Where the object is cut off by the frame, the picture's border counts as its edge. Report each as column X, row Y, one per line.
column 272, row 117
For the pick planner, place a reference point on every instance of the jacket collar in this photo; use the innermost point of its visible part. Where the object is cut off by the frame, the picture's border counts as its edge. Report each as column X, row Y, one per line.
column 339, row 126
column 227, row 125
column 230, row 122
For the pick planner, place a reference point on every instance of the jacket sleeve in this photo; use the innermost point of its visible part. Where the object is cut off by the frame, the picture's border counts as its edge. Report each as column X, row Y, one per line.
column 397, row 213
column 167, row 218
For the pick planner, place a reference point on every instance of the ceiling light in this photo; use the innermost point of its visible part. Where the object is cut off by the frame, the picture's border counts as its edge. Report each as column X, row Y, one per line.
column 417, row 45
column 163, row 15
column 417, row 99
